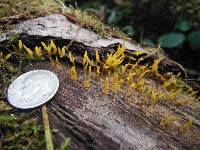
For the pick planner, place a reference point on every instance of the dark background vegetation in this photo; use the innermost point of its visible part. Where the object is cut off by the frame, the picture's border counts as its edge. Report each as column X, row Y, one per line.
column 173, row 25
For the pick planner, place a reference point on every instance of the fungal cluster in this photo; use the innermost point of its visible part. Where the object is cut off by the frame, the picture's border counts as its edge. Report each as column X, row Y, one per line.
column 119, row 76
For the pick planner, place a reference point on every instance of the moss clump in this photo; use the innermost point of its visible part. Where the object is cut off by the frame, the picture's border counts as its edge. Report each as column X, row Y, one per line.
column 18, row 133
column 26, row 9
column 91, row 21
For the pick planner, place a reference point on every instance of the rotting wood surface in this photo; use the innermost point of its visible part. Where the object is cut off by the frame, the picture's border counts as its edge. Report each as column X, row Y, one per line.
column 97, row 121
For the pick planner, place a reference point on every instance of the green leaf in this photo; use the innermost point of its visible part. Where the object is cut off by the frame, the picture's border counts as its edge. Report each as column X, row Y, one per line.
column 128, row 30
column 113, row 18
column 194, row 39
column 171, row 40
column 148, row 42
column 183, row 26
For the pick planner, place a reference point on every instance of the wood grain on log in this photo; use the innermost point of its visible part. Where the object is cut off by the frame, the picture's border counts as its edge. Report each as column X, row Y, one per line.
column 98, row 121
column 92, row 119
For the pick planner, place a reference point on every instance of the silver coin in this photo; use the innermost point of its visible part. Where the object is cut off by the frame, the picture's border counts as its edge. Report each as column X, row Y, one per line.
column 32, row 89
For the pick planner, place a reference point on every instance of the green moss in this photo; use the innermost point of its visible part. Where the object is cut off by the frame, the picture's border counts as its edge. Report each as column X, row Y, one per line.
column 14, row 38
column 2, row 12
column 26, row 9
column 91, row 21
column 66, row 144
column 18, row 133
column 7, row 119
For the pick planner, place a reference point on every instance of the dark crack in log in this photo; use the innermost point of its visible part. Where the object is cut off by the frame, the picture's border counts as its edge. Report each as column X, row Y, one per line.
column 57, row 26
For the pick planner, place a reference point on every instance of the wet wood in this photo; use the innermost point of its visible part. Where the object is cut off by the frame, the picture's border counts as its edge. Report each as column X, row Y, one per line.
column 94, row 120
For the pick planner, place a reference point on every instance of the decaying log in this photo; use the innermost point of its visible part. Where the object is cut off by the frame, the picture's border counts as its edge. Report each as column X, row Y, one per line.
column 58, row 26
column 92, row 119
column 98, row 121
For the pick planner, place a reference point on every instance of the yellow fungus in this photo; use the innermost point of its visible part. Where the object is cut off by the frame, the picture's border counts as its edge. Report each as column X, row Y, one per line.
column 52, row 62
column 131, row 58
column 130, row 89
column 71, row 58
column 97, row 70
column 154, row 97
column 7, row 57
column 168, row 120
column 20, row 45
column 169, row 82
column 130, row 76
column 86, row 83
column 60, row 53
column 87, row 60
column 139, row 60
column 90, row 71
column 106, row 86
column 38, row 51
column 29, row 51
column 57, row 61
column 73, row 73
column 140, row 83
column 187, row 126
column 47, row 48
column 97, row 56
column 133, row 85
column 124, row 67
column 173, row 94
column 142, row 89
column 193, row 93
column 144, row 73
column 115, row 83
column 137, row 53
column 148, row 91
column 180, row 102
column 154, row 67
column 178, row 75
column 53, row 46
column 85, row 68
column 114, row 60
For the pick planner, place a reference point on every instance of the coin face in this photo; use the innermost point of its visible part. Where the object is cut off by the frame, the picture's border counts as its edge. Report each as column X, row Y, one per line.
column 32, row 89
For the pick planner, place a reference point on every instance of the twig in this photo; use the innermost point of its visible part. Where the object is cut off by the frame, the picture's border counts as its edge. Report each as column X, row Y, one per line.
column 48, row 136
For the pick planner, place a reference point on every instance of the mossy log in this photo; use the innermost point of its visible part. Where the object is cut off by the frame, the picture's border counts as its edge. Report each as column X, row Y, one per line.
column 92, row 119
